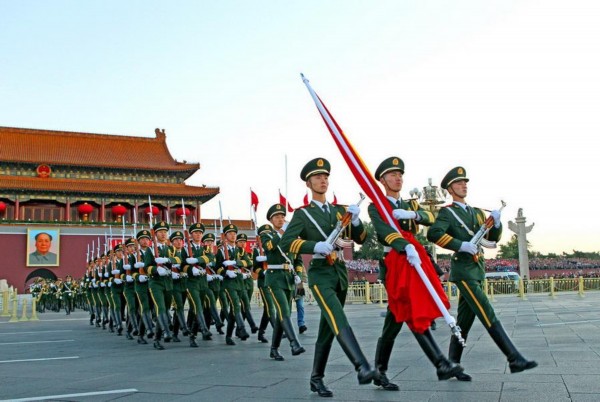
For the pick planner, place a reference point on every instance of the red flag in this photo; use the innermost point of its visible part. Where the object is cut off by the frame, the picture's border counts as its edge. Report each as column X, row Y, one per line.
column 283, row 201
column 414, row 308
column 253, row 200
column 334, row 202
column 305, row 199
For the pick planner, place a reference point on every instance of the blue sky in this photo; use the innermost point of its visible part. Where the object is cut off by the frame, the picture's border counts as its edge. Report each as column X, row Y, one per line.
column 508, row 89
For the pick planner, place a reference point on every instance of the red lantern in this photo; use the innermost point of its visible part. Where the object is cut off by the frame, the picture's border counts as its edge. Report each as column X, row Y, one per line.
column 2, row 207
column 118, row 210
column 154, row 211
column 85, row 209
column 180, row 212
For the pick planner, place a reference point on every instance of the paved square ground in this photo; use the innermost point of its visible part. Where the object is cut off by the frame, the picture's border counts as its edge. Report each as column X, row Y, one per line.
column 64, row 358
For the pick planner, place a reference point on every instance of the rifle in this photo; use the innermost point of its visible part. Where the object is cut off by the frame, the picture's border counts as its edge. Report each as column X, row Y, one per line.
column 154, row 239
column 125, row 252
column 339, row 228
column 479, row 240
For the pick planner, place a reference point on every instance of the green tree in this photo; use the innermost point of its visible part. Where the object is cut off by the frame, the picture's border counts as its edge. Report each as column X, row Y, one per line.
column 371, row 249
column 511, row 248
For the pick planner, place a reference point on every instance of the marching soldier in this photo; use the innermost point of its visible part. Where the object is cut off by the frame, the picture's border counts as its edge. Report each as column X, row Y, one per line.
column 231, row 286
column 409, row 216
column 455, row 226
column 214, row 283
column 282, row 276
column 143, row 259
column 67, row 294
column 307, row 234
column 260, row 269
column 177, row 256
column 116, row 285
column 244, row 263
column 129, row 289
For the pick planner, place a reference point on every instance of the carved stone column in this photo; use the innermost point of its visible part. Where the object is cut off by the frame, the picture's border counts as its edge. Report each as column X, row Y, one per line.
column 521, row 230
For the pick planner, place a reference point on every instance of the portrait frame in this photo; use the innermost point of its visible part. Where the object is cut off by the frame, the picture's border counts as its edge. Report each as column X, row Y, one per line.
column 38, row 254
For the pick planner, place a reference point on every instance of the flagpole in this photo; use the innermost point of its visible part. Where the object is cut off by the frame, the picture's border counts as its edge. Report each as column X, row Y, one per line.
column 286, row 185
column 373, row 191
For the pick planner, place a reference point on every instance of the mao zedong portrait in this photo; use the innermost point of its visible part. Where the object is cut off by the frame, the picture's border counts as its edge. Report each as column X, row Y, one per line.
column 42, row 254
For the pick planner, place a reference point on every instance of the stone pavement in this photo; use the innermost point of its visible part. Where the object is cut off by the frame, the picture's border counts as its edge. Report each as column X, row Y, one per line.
column 64, row 358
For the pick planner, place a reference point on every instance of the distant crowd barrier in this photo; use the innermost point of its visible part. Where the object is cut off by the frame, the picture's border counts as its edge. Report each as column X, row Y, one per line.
column 13, row 303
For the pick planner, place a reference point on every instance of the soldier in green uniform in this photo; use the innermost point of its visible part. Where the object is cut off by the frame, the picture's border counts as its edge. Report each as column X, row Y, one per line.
column 409, row 215
column 144, row 258
column 67, row 293
column 201, row 297
column 244, row 262
column 455, row 226
column 214, row 283
column 226, row 266
column 116, row 285
column 307, row 234
column 129, row 289
column 282, row 276
column 260, row 268
column 177, row 256
column 102, row 276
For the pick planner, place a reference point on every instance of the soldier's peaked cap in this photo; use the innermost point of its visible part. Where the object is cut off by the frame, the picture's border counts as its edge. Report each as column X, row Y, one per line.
column 143, row 233
column 241, row 237
column 161, row 226
column 230, row 228
column 274, row 210
column 197, row 227
column 390, row 164
column 315, row 166
column 456, row 174
column 264, row 228
column 178, row 234
column 208, row 237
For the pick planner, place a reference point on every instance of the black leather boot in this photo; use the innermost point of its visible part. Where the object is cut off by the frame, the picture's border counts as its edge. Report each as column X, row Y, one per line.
column 454, row 355
column 276, row 341
column 318, row 372
column 239, row 321
column 445, row 368
column 250, row 319
column 352, row 349
column 193, row 343
column 147, row 318
column 133, row 321
column 382, row 358
column 119, row 322
column 288, row 328
column 261, row 336
column 516, row 361
column 206, row 334
column 217, row 319
column 164, row 324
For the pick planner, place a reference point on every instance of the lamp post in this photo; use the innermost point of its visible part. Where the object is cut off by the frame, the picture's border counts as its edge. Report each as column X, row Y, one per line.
column 431, row 197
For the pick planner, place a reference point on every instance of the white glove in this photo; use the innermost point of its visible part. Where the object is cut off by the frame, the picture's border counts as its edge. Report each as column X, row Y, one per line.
column 143, row 278
column 195, row 271
column 95, row 286
column 106, row 274
column 297, row 280
column 355, row 211
column 93, row 280
column 231, row 274
column 102, row 285
column 161, row 271
column 323, row 248
column 411, row 255
column 220, row 277
column 129, row 278
column 138, row 265
column 245, row 276
column 496, row 215
column 115, row 272
column 209, row 278
column 261, row 258
column 467, row 247
column 228, row 263
column 202, row 272
column 109, row 284
column 127, row 267
column 191, row 261
column 175, row 275
column 118, row 281
column 176, row 266
column 404, row 214
column 161, row 260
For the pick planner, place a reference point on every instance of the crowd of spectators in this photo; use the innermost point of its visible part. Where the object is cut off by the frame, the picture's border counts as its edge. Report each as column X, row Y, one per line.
column 366, row 266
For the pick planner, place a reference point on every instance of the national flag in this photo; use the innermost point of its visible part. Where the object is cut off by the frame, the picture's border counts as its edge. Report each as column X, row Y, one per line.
column 305, row 199
column 283, row 200
column 334, row 202
column 253, row 200
column 415, row 308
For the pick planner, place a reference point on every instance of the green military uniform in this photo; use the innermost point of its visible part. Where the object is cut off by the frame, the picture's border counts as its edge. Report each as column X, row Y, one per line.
column 177, row 257
column 310, row 226
column 214, row 285
column 392, row 239
column 117, row 287
column 67, row 293
column 456, row 224
column 144, row 258
column 260, row 268
column 280, row 280
column 244, row 262
column 127, row 270
column 231, row 288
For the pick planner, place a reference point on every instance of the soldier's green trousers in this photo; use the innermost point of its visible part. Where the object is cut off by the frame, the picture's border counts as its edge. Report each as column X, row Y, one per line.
column 473, row 303
column 282, row 301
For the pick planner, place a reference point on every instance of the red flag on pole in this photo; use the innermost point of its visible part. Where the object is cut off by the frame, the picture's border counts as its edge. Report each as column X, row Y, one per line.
column 283, row 200
column 415, row 308
column 305, row 199
column 334, row 202
column 253, row 200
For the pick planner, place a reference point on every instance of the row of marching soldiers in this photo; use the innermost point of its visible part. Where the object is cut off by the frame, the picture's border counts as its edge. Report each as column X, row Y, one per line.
column 157, row 271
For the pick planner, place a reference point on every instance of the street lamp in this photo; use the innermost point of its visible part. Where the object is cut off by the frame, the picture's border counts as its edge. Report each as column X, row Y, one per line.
column 431, row 197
